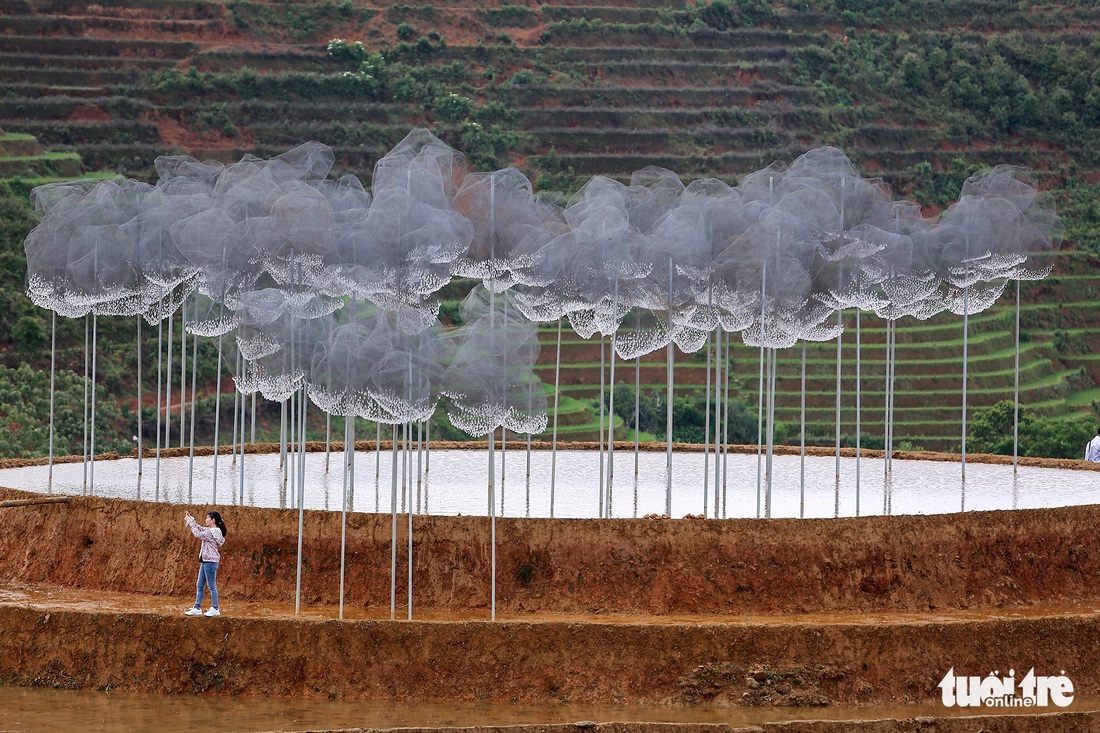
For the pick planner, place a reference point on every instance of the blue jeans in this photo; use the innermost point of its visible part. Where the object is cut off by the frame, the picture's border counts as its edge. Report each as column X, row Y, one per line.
column 208, row 575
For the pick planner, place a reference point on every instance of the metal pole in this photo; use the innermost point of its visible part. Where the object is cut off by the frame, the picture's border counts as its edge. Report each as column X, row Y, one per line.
column 160, row 352
column 183, row 369
column 328, row 438
column 839, row 356
column 760, row 389
column 726, row 426
column 344, row 520
column 168, row 389
column 194, row 402
column 717, row 420
column 668, row 406
column 91, row 451
column 706, row 437
column 611, row 402
column 802, row 442
column 603, row 395
column 492, row 530
column 87, row 355
column 217, row 417
column 53, row 363
column 393, row 529
column 301, row 494
column 140, row 436
column 859, row 406
column 966, row 331
column 1016, row 391
column 237, row 400
column 554, row 438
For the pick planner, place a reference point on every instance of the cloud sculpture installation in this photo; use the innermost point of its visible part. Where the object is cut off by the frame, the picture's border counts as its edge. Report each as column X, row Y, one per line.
column 285, row 257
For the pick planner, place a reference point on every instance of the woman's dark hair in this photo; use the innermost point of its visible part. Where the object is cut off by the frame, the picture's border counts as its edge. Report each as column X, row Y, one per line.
column 219, row 523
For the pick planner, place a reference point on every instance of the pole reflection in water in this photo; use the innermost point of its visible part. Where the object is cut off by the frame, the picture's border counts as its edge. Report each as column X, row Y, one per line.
column 912, row 487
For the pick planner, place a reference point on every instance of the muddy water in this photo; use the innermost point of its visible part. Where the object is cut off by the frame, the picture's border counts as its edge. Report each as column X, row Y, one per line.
column 38, row 710
column 456, row 484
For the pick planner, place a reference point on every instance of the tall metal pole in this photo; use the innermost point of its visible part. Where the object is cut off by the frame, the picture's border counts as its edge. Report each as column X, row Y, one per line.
column 603, row 395
column 393, row 529
column 706, row 437
column 611, row 403
column 717, row 419
column 194, row 402
column 168, row 389
column 554, row 438
column 859, row 406
column 802, row 442
column 91, row 452
column 760, row 390
column 344, row 520
column 217, row 417
column 839, row 357
column 160, row 352
column 966, row 332
column 87, row 356
column 140, row 435
column 1016, row 391
column 668, row 406
column 183, row 370
column 53, row 369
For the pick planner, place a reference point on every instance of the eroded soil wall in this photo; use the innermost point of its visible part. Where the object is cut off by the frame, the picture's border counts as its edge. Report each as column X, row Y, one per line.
column 540, row 661
column 642, row 566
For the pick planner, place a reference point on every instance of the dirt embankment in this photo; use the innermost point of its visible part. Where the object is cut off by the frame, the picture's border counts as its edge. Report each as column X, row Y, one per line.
column 720, row 664
column 641, row 566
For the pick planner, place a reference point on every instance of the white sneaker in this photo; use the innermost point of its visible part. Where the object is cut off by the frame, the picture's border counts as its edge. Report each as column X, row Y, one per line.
column 193, row 612
column 213, row 612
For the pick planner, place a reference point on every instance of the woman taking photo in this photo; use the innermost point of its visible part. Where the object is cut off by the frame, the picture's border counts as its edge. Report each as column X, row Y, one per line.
column 212, row 535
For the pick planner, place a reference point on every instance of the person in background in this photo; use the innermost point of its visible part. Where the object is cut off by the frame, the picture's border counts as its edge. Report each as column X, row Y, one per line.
column 212, row 535
column 1092, row 450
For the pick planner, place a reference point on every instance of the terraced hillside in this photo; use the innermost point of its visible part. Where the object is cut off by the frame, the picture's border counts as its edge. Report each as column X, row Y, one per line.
column 919, row 94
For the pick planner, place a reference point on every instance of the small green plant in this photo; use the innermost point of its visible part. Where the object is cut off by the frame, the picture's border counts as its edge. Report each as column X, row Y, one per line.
column 406, row 32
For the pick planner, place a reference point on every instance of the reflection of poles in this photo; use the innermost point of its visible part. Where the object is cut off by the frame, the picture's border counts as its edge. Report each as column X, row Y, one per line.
column 1016, row 391
column 802, row 442
column 91, row 449
column 554, row 437
column 53, row 362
